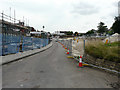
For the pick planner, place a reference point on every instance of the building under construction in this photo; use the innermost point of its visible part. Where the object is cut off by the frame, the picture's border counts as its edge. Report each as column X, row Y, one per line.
column 10, row 25
column 15, row 36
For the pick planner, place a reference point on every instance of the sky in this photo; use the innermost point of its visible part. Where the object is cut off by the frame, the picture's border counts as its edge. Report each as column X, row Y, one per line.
column 62, row 15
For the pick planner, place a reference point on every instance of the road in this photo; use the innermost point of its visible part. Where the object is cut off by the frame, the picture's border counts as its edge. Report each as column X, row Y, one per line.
column 52, row 69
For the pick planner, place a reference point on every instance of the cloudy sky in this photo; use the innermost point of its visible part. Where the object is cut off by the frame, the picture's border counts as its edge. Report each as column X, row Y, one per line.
column 56, row 15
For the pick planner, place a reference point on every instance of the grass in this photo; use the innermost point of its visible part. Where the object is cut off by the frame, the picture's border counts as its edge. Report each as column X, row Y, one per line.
column 99, row 49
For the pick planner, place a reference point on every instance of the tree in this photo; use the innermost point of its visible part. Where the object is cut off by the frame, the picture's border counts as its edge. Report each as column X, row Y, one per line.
column 90, row 32
column 49, row 34
column 116, row 25
column 76, row 34
column 102, row 28
column 69, row 33
column 110, row 32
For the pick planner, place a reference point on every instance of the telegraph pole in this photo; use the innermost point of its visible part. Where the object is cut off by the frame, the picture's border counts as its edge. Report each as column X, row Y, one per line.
column 14, row 17
column 10, row 13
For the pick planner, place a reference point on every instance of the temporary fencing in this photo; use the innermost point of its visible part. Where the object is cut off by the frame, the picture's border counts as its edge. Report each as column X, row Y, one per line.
column 10, row 44
column 13, row 36
column 67, row 44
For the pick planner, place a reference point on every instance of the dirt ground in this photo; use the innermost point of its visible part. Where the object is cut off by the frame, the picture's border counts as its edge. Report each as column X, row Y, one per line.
column 78, row 47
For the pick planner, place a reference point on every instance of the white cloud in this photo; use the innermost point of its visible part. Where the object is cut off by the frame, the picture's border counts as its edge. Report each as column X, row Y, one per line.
column 84, row 8
column 58, row 14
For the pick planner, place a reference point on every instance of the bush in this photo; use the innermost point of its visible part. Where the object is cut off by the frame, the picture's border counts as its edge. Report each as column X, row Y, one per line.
column 100, row 50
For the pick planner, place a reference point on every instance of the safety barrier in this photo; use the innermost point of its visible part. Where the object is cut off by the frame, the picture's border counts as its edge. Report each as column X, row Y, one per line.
column 87, row 64
column 67, row 44
column 81, row 62
column 10, row 44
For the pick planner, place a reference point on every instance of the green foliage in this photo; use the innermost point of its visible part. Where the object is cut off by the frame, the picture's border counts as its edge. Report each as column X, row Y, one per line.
column 81, row 34
column 76, row 34
column 109, row 52
column 69, row 33
column 90, row 32
column 113, row 44
column 43, row 35
column 102, row 28
column 116, row 25
column 110, row 32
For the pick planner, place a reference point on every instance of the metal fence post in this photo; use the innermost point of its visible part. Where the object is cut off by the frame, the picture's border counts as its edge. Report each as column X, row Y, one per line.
column 2, row 36
column 84, row 45
column 70, row 42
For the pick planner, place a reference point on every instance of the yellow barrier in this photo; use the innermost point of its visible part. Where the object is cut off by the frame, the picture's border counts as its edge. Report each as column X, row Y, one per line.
column 69, row 57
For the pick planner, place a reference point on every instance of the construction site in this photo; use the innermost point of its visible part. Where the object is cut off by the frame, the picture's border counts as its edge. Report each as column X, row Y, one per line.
column 17, row 37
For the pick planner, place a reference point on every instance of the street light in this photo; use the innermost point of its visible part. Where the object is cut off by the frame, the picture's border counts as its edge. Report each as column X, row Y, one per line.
column 43, row 27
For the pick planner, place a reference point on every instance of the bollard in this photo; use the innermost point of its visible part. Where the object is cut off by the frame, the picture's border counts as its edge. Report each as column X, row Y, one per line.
column 80, row 61
column 77, row 41
column 68, row 51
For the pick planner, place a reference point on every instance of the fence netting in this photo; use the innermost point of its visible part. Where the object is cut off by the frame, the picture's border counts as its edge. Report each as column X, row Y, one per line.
column 67, row 43
column 10, row 44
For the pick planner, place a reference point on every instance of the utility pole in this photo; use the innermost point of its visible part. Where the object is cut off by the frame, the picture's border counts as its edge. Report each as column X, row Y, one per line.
column 10, row 13
column 14, row 17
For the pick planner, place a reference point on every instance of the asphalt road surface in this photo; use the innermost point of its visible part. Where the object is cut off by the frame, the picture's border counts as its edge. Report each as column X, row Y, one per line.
column 52, row 69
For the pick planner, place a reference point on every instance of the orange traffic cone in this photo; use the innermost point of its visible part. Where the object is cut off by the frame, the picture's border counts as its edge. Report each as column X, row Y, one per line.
column 68, row 51
column 80, row 61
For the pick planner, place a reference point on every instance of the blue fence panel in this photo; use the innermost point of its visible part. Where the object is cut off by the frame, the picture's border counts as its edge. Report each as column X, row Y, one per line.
column 27, row 43
column 40, row 42
column 4, row 44
column 47, row 41
column 36, row 42
column 43, row 42
column 11, row 43
column 33, row 43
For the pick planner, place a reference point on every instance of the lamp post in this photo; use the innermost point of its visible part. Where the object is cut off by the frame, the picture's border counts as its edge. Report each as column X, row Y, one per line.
column 43, row 28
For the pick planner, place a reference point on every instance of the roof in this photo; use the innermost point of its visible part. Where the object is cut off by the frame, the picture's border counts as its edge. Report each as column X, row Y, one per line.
column 35, row 32
column 6, row 22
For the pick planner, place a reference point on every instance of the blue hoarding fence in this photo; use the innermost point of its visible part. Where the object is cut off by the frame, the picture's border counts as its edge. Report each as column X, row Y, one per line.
column 10, row 44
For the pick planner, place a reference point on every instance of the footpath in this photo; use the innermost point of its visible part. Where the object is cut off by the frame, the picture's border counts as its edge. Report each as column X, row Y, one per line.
column 14, row 57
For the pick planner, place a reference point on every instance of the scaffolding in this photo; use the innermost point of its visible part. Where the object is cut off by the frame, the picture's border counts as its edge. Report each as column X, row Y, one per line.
column 13, row 37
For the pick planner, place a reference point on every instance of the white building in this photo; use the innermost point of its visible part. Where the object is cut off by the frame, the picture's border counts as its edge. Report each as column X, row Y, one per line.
column 59, row 33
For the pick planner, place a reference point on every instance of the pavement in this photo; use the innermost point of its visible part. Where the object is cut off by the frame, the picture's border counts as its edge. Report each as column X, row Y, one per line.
column 14, row 57
column 52, row 69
